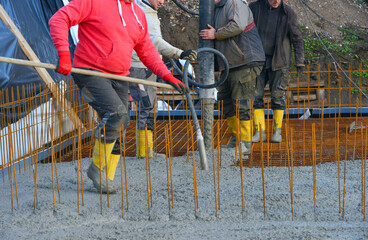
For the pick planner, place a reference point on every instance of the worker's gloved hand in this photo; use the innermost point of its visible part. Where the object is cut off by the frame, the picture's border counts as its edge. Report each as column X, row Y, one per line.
column 64, row 65
column 299, row 70
column 176, row 83
column 190, row 55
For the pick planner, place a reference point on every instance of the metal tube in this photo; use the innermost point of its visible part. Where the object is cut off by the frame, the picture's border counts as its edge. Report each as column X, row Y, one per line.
column 206, row 68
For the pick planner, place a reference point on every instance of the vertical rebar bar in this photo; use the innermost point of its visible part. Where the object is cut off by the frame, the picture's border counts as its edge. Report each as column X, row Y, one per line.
column 167, row 167
column 218, row 163
column 338, row 161
column 100, row 162
column 263, row 174
column 125, row 170
column 194, row 173
column 80, row 162
column 321, row 140
column 214, row 168
column 346, row 158
column 149, row 201
column 11, row 166
column 314, row 148
column 292, row 172
column 121, row 169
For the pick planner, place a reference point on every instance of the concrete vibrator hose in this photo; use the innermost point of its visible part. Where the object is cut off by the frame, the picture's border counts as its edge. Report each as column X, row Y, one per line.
column 225, row 73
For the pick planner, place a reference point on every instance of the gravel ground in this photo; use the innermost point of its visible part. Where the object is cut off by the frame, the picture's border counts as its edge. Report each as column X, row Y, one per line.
column 63, row 221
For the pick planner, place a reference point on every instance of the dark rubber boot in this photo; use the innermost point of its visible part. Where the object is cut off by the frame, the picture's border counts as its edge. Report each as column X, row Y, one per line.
column 93, row 173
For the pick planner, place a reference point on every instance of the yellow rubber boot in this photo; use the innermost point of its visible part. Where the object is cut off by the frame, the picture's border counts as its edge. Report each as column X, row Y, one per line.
column 97, row 171
column 141, row 143
column 111, row 165
column 259, row 119
column 277, row 125
column 245, row 136
column 232, row 125
column 99, row 151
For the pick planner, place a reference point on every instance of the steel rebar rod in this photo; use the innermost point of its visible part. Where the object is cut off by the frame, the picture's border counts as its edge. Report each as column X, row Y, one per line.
column 167, row 167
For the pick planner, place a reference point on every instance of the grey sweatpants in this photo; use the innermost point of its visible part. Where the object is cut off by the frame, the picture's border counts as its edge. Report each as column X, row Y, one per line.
column 144, row 97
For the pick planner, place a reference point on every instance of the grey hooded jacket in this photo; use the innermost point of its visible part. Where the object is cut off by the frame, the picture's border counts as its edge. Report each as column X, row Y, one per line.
column 154, row 29
column 236, row 35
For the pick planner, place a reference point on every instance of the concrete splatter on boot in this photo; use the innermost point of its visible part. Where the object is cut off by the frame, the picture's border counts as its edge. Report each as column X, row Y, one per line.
column 246, row 147
column 231, row 124
column 259, row 123
column 246, row 138
column 93, row 173
column 277, row 125
column 101, row 158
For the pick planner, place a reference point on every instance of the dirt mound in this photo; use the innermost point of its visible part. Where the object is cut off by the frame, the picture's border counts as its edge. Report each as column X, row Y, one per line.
column 181, row 28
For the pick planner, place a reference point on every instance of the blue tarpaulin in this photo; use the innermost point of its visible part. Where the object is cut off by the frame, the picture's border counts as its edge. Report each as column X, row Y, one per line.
column 31, row 18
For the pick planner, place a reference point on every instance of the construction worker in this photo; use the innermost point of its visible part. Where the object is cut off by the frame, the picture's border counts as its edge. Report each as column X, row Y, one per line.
column 145, row 96
column 108, row 33
column 279, row 29
column 237, row 38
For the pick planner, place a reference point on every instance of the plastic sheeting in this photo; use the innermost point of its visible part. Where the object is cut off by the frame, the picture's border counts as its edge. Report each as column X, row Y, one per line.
column 31, row 18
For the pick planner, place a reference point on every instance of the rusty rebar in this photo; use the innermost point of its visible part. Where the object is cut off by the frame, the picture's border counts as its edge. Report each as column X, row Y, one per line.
column 365, row 174
column 147, row 176
column 263, row 175
column 292, row 173
column 338, row 161
column 167, row 167
column 218, row 163
column 125, row 170
column 100, row 162
column 80, row 162
column 314, row 148
column 346, row 158
column 11, row 166
column 194, row 173
column 321, row 140
column 106, row 176
column 121, row 169
column 214, row 169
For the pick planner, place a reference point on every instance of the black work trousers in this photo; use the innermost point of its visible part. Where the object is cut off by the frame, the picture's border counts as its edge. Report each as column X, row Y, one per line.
column 278, row 81
column 109, row 98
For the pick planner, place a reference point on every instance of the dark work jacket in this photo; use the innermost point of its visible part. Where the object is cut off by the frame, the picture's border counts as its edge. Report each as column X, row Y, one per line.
column 287, row 34
column 236, row 35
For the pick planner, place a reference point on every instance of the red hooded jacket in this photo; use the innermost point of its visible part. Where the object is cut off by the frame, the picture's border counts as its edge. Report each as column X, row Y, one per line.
column 107, row 34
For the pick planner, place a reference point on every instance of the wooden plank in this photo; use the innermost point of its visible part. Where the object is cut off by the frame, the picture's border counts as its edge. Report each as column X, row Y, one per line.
column 312, row 84
column 303, row 97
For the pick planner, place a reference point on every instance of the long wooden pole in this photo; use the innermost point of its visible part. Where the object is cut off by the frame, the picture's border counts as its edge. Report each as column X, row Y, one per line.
column 86, row 72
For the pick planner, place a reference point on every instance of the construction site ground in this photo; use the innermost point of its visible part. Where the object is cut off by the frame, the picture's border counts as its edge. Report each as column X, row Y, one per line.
column 68, row 214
